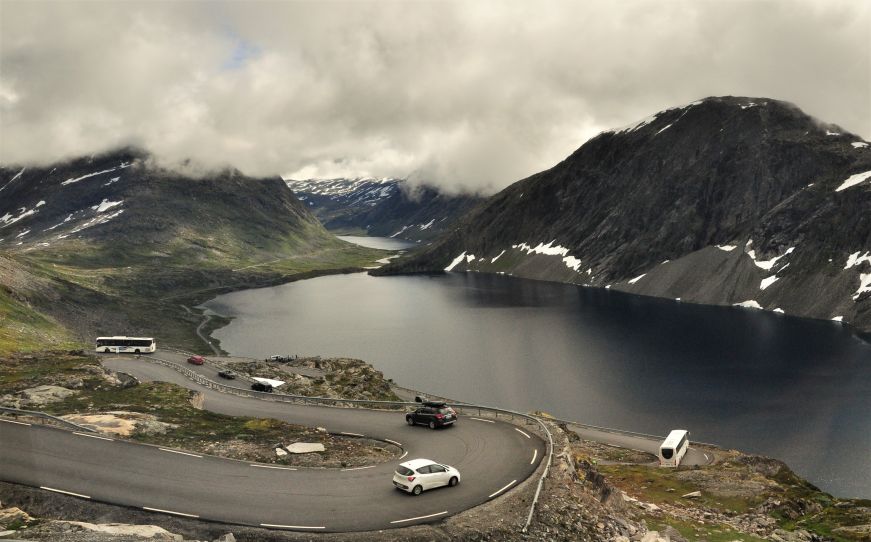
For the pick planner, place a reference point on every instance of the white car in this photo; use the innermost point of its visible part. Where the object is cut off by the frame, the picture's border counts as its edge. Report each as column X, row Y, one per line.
column 418, row 475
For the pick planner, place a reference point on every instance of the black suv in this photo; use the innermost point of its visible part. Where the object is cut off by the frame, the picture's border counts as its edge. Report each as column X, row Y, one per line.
column 229, row 375
column 260, row 386
column 434, row 414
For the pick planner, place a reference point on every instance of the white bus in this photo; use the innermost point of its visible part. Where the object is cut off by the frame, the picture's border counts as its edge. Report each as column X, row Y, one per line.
column 673, row 448
column 119, row 345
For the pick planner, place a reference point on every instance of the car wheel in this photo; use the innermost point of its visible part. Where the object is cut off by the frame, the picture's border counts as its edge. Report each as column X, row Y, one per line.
column 453, row 481
column 432, row 425
column 409, row 420
column 137, row 350
column 417, row 490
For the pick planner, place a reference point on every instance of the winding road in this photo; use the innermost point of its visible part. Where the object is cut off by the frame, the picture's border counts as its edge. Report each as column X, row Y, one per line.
column 493, row 457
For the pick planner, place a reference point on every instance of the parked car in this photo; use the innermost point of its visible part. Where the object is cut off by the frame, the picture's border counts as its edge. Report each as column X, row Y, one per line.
column 229, row 375
column 196, row 360
column 418, row 475
column 260, row 386
column 432, row 413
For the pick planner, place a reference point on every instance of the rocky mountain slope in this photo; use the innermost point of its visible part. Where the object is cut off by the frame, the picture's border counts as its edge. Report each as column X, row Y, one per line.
column 728, row 200
column 382, row 207
column 113, row 244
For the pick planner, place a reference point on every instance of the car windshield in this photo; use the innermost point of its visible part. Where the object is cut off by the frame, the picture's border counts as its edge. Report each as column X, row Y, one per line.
column 404, row 471
column 444, row 411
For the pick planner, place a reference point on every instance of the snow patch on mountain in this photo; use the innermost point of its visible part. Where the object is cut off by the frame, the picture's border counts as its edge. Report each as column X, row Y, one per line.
column 89, row 175
column 17, row 175
column 67, row 219
column 636, row 279
column 106, row 205
column 9, row 219
column 749, row 304
column 469, row 259
column 864, row 285
column 96, row 221
column 855, row 259
column 853, row 180
column 766, row 282
column 859, row 144
column 768, row 264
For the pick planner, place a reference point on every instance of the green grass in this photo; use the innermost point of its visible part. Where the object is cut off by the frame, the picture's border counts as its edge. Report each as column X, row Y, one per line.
column 20, row 371
column 23, row 329
column 143, row 294
column 652, row 484
column 694, row 531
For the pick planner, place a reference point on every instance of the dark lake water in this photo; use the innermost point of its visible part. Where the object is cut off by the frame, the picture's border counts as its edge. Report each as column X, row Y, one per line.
column 386, row 243
column 795, row 389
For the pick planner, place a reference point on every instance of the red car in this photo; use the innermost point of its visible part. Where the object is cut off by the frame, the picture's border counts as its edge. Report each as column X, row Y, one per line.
column 196, row 360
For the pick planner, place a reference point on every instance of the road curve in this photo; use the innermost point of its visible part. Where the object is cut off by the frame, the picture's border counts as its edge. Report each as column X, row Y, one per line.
column 492, row 457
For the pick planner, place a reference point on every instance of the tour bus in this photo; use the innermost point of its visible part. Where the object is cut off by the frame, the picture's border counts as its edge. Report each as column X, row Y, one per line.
column 673, row 448
column 119, row 345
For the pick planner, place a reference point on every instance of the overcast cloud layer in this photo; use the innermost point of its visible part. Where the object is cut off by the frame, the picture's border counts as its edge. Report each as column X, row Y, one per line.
column 467, row 94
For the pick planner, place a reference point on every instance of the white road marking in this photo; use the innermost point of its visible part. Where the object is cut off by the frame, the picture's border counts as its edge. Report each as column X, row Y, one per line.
column 534, row 455
column 92, row 436
column 273, row 525
column 170, row 512
column 270, row 467
column 522, row 433
column 403, row 455
column 393, row 442
column 481, row 420
column 351, row 434
column 64, row 492
column 178, row 452
column 360, row 468
column 420, row 517
column 13, row 421
column 503, row 489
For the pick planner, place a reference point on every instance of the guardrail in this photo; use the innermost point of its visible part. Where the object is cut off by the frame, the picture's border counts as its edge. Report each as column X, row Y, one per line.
column 480, row 410
column 45, row 417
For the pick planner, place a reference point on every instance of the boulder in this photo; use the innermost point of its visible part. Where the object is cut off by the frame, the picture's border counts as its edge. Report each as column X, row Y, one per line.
column 280, row 453
column 43, row 395
column 228, row 537
column 305, row 447
column 692, row 495
column 152, row 532
column 12, row 515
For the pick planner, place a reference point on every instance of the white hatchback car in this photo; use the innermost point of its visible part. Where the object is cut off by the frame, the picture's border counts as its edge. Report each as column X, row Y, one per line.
column 418, row 475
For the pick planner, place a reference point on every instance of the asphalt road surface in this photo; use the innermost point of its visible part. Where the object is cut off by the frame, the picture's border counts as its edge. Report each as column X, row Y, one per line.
column 492, row 457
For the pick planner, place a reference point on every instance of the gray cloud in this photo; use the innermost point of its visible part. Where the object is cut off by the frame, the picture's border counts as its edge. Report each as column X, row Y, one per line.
column 464, row 94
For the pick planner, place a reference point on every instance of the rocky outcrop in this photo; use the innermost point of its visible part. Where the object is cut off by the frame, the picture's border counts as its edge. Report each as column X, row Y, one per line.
column 723, row 201
column 36, row 397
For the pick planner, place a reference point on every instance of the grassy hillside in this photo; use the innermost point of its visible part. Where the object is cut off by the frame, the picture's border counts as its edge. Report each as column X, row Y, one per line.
column 111, row 245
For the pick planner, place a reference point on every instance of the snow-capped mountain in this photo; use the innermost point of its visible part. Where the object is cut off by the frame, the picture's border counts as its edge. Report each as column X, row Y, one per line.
column 731, row 201
column 118, row 203
column 382, row 207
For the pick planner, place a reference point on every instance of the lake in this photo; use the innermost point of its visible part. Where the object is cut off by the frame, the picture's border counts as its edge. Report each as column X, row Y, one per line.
column 791, row 388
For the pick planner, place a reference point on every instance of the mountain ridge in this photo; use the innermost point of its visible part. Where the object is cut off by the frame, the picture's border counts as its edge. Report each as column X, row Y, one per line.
column 753, row 173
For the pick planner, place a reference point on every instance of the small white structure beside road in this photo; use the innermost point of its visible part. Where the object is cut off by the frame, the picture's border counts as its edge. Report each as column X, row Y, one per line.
column 673, row 448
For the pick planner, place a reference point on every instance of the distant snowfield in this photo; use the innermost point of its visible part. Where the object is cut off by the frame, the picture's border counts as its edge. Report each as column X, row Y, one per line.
column 853, row 180
column 750, row 304
column 89, row 175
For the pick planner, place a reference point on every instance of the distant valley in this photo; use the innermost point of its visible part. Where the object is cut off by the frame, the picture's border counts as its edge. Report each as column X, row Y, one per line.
column 112, row 244
column 383, row 207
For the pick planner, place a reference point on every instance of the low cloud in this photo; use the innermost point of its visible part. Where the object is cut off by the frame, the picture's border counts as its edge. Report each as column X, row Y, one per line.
column 470, row 95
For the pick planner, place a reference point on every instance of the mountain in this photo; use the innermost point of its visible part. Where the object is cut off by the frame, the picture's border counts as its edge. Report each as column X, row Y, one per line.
column 382, row 207
column 723, row 201
column 113, row 243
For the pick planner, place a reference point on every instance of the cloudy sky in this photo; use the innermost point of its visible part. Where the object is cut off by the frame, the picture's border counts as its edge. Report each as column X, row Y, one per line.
column 473, row 94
